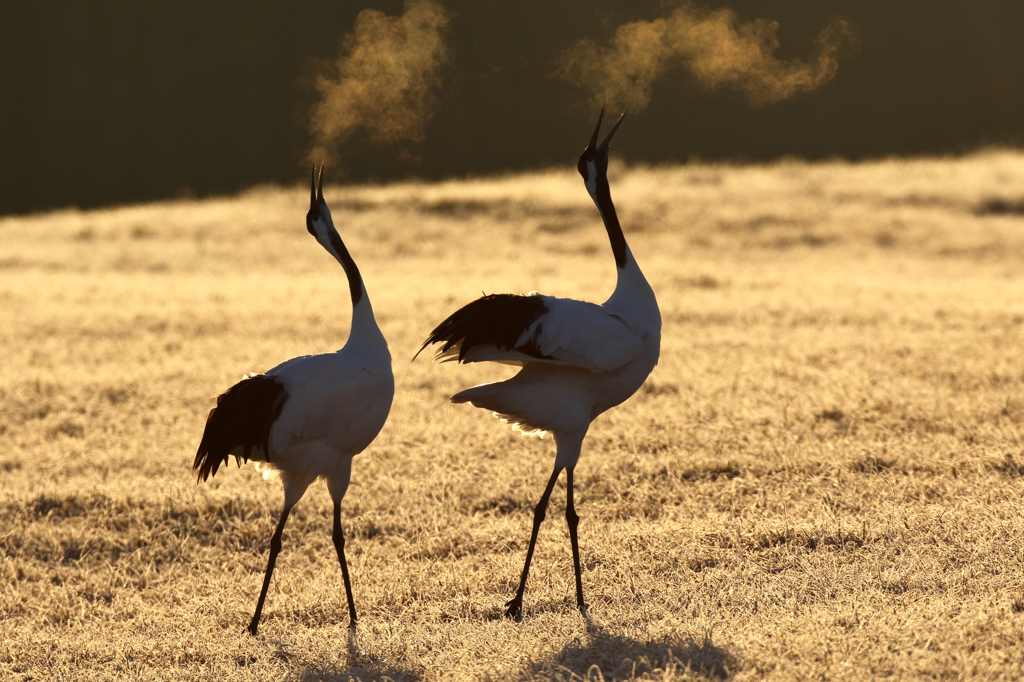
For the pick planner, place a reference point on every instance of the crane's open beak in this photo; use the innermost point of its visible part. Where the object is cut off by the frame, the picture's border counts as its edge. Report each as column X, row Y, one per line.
column 597, row 129
column 312, row 189
column 608, row 138
column 316, row 188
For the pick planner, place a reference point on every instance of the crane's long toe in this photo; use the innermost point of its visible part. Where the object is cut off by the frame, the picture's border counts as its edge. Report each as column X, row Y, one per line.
column 514, row 609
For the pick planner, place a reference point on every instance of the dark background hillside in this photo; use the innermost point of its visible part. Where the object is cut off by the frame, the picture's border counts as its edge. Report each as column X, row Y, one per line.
column 115, row 101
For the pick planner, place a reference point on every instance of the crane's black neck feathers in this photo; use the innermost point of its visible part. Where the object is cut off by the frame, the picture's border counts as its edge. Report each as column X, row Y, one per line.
column 611, row 221
column 495, row 319
column 243, row 417
column 593, row 166
column 355, row 280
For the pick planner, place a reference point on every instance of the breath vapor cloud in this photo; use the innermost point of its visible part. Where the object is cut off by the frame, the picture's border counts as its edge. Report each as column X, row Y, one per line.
column 384, row 80
column 714, row 46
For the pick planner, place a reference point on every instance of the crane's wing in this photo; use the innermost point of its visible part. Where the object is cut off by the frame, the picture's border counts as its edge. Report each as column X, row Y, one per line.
column 241, row 423
column 583, row 335
column 350, row 403
column 514, row 329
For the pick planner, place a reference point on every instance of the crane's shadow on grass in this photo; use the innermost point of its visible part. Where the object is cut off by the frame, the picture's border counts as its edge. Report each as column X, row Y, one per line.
column 604, row 656
column 358, row 665
column 593, row 656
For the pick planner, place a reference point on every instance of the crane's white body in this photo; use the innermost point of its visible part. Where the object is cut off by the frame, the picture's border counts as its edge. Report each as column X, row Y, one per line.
column 337, row 404
column 599, row 356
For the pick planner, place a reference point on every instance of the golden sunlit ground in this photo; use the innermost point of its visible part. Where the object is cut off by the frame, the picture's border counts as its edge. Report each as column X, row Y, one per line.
column 822, row 479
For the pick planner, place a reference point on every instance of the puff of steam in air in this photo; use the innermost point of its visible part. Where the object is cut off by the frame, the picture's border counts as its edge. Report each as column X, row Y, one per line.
column 384, row 78
column 713, row 45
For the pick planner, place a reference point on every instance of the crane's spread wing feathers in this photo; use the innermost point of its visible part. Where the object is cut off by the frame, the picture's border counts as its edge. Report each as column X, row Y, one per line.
column 495, row 321
column 241, row 423
column 514, row 329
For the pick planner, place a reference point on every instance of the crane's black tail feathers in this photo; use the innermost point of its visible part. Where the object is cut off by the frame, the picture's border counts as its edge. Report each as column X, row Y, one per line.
column 498, row 319
column 242, row 421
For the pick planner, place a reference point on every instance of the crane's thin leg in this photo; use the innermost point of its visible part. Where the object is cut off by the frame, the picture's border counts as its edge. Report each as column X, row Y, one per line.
column 573, row 519
column 339, row 544
column 275, row 547
column 514, row 606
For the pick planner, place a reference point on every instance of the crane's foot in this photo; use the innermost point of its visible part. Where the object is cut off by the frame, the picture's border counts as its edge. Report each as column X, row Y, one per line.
column 352, row 624
column 252, row 628
column 514, row 608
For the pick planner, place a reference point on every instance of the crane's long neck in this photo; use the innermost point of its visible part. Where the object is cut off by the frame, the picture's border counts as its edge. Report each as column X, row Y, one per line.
column 632, row 291
column 364, row 330
column 602, row 196
column 340, row 252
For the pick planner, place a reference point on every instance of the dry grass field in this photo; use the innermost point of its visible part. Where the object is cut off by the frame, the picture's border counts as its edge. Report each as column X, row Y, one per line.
column 822, row 479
